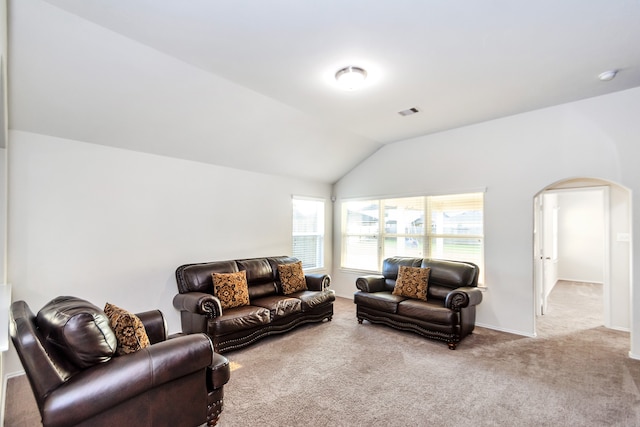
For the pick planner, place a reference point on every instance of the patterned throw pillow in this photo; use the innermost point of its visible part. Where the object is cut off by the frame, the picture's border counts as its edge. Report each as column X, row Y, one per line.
column 231, row 289
column 128, row 328
column 412, row 282
column 292, row 278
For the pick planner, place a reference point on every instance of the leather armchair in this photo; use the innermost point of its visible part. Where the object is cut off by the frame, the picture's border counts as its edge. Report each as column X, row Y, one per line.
column 172, row 382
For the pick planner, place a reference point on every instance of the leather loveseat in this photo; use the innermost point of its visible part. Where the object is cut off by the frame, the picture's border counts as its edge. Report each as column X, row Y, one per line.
column 269, row 309
column 447, row 312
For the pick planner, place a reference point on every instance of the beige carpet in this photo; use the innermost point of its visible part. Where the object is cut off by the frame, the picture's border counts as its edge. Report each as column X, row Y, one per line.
column 576, row 373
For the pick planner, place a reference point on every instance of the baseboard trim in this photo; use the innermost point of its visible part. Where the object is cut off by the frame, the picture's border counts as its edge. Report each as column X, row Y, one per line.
column 509, row 331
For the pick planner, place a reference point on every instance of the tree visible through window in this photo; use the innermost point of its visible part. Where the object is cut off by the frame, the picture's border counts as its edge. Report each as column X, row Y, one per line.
column 308, row 232
column 443, row 227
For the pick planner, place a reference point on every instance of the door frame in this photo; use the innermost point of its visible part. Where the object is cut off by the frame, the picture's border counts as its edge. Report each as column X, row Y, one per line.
column 540, row 240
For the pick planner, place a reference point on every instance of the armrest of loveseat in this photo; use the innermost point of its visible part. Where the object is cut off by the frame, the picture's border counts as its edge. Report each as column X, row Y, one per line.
column 463, row 297
column 106, row 385
column 373, row 283
column 198, row 303
column 154, row 324
column 317, row 281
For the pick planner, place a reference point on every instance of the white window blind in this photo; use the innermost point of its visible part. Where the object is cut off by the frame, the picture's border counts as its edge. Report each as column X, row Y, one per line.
column 443, row 227
column 308, row 232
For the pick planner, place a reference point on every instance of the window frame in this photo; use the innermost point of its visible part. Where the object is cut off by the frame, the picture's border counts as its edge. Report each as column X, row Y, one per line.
column 320, row 233
column 427, row 236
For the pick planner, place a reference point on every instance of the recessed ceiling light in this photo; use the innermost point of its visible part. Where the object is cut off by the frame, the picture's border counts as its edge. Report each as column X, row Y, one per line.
column 608, row 75
column 351, row 78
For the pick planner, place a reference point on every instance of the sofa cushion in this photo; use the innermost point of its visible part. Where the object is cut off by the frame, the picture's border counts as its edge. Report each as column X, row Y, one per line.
column 292, row 277
column 279, row 306
column 128, row 328
column 383, row 301
column 311, row 299
column 198, row 278
column 258, row 270
column 241, row 318
column 451, row 274
column 428, row 312
column 79, row 329
column 231, row 289
column 412, row 282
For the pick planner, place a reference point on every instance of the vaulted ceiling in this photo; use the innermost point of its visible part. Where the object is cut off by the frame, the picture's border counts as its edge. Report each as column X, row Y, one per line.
column 250, row 84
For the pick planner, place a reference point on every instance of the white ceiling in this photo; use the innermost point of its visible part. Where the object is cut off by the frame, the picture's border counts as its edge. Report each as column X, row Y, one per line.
column 249, row 83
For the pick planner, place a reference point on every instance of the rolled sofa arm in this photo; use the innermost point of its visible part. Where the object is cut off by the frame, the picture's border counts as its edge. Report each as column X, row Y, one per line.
column 106, row 385
column 155, row 325
column 318, row 281
column 463, row 297
column 198, row 303
column 373, row 283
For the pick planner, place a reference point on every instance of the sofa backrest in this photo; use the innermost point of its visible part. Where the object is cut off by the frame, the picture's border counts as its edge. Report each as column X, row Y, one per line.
column 262, row 275
column 390, row 267
column 445, row 275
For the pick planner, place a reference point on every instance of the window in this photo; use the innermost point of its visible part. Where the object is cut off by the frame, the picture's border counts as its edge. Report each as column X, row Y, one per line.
column 444, row 227
column 308, row 232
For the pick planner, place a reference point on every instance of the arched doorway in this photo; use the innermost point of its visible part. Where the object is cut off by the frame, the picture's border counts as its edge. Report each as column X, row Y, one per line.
column 616, row 250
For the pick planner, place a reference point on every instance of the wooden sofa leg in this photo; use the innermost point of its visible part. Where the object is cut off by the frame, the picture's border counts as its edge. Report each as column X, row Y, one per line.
column 452, row 345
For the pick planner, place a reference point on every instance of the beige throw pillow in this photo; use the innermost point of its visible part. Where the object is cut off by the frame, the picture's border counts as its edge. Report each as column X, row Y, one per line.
column 412, row 282
column 292, row 278
column 231, row 289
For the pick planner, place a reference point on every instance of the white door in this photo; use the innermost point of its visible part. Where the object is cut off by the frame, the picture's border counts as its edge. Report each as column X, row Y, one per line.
column 549, row 246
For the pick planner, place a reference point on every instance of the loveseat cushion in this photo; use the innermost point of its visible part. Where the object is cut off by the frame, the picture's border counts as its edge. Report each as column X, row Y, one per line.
column 311, row 299
column 412, row 282
column 383, row 301
column 79, row 329
column 428, row 312
column 241, row 318
column 231, row 289
column 278, row 305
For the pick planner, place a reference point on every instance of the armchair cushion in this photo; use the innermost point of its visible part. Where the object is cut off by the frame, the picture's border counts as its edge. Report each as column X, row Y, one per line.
column 129, row 330
column 231, row 289
column 412, row 282
column 79, row 329
column 292, row 277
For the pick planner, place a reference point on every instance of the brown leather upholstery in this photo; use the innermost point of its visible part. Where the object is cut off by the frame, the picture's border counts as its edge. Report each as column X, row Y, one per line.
column 448, row 314
column 175, row 382
column 270, row 311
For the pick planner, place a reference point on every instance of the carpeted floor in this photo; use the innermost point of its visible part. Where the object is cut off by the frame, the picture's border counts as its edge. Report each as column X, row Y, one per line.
column 340, row 373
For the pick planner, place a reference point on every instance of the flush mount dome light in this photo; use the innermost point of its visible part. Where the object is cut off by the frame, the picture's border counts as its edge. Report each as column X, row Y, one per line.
column 351, row 78
column 608, row 75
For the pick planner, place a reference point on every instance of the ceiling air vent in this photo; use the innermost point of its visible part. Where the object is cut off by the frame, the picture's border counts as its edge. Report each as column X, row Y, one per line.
column 408, row 112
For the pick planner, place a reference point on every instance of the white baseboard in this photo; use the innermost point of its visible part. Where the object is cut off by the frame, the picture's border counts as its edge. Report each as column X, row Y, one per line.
column 509, row 331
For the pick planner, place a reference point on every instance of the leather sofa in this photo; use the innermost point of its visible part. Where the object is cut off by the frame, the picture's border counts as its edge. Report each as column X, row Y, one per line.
column 269, row 311
column 69, row 354
column 449, row 312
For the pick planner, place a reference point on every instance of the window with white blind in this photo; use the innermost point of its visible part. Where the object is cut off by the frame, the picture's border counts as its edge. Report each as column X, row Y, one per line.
column 308, row 232
column 443, row 227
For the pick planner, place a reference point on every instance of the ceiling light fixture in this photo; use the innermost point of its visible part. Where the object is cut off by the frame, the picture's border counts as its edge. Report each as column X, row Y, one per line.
column 608, row 75
column 351, row 78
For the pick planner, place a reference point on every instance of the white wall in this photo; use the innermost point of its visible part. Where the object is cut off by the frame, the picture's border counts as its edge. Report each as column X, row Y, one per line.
column 581, row 236
column 107, row 224
column 3, row 172
column 513, row 158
